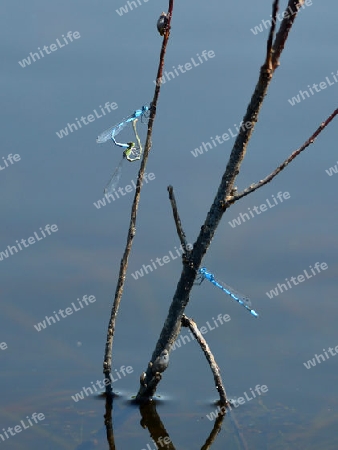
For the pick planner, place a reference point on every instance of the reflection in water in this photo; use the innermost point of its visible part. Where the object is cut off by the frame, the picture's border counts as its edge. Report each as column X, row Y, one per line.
column 261, row 424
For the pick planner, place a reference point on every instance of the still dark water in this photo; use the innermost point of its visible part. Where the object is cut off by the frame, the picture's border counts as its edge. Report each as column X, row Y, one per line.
column 82, row 66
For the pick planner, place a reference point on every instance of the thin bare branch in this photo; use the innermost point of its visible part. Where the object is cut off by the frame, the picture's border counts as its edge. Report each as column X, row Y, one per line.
column 290, row 15
column 177, row 219
column 191, row 324
column 312, row 138
column 275, row 8
column 107, row 364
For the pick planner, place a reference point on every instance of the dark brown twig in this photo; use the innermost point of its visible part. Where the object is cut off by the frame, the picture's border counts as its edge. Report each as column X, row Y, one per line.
column 268, row 59
column 179, row 228
column 284, row 29
column 152, row 421
column 214, row 432
column 191, row 324
column 107, row 364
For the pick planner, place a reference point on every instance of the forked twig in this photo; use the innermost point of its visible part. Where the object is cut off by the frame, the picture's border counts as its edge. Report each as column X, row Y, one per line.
column 312, row 138
column 290, row 15
column 192, row 262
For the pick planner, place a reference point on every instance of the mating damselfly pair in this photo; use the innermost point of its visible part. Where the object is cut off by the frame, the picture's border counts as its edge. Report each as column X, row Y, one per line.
column 132, row 151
